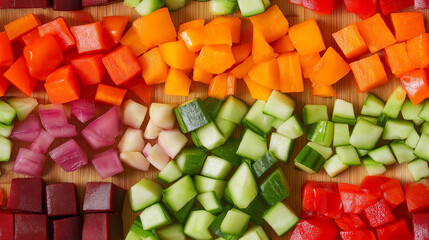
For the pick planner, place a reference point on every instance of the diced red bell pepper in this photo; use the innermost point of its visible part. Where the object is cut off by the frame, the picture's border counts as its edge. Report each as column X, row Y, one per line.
column 314, row 230
column 389, row 6
column 397, row 230
column 393, row 193
column 62, row 85
column 421, row 4
column 6, row 54
column 363, row 8
column 122, row 65
column 319, row 7
column 322, row 197
column 354, row 199
column 416, row 84
column 91, row 38
column 417, row 196
column 421, row 226
column 89, row 68
column 379, row 213
column 358, row 235
column 309, row 215
column 4, row 84
column 350, row 222
column 60, row 30
column 29, row 37
column 139, row 87
column 372, row 184
column 19, row 76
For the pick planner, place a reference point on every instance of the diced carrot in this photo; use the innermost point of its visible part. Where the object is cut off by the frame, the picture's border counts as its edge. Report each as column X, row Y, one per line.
column 398, row 60
column 375, row 33
column 122, row 65
column 272, row 23
column 241, row 52
column 307, row 63
column 43, row 57
column 155, row 28
column 110, row 95
column 243, row 68
column 407, row 25
column 132, row 40
column 59, row 29
column 139, row 87
column 21, row 26
column 307, row 37
column 177, row 55
column 290, row 73
column 218, row 86
column 91, row 38
column 19, row 76
column 261, row 50
column 211, row 34
column 29, row 37
column 231, row 85
column 115, row 26
column 4, row 84
column 62, row 85
column 199, row 75
column 215, row 59
column 177, row 83
column 418, row 50
column 257, row 91
column 6, row 54
column 197, row 23
column 234, row 24
column 154, row 68
column 89, row 68
column 283, row 45
column 416, row 84
column 266, row 74
column 323, row 90
column 369, row 73
column 350, row 41
column 330, row 69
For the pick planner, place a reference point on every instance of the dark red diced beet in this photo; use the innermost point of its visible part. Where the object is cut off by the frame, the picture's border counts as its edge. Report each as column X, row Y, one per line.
column 103, row 197
column 6, row 225
column 88, row 3
column 421, row 226
column 61, row 199
column 25, row 3
column 26, row 194
column 31, row 226
column 69, row 5
column 102, row 226
column 67, row 228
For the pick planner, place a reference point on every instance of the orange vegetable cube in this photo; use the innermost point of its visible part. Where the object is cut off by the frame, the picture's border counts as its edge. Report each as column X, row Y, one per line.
column 6, row 54
column 231, row 85
column 375, row 33
column 323, row 90
column 307, row 63
column 272, row 23
column 407, row 25
column 241, row 52
column 243, row 68
column 177, row 83
column 234, row 24
column 115, row 26
column 218, row 86
column 89, row 68
column 62, row 85
column 4, row 84
column 121, row 64
column 139, row 87
column 154, row 68
column 197, row 23
column 155, row 28
column 194, row 38
column 29, row 37
column 416, row 84
column 211, row 34
column 307, row 37
column 19, row 76
column 215, row 59
column 91, row 38
column 59, row 29
column 199, row 75
column 257, row 91
column 330, row 69
column 266, row 74
column 21, row 26
column 290, row 73
column 350, row 41
column 397, row 59
column 418, row 50
column 110, row 95
column 132, row 40
column 177, row 55
column 261, row 50
column 283, row 45
column 369, row 73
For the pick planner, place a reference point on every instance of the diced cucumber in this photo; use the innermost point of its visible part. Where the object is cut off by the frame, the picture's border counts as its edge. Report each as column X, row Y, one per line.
column 23, row 106
column 205, row 184
column 222, row 7
column 411, row 112
column 365, row 135
column 421, row 149
column 341, row 134
column 192, row 115
column 373, row 106
column 397, row 129
column 249, row 8
column 255, row 232
column 264, row 163
column 382, row 155
column 216, row 167
column 275, row 187
column 309, row 160
column 209, row 136
column 256, row 120
column 314, row 113
column 196, row 140
column 216, row 224
column 326, row 152
column 252, row 146
column 210, row 202
column 292, row 128
column 197, row 225
column 256, row 209
column 343, row 112
column 179, row 194
column 228, row 151
column 279, row 105
column 413, row 139
column 394, row 103
column 170, row 173
column 368, row 118
column 362, row 152
column 382, row 119
column 174, row 5
column 277, row 123
column 281, row 146
column 143, row 194
column 281, row 218
column 183, row 213
column 172, row 232
column 348, row 155
column 424, row 113
column 373, row 167
column 5, row 149
column 226, row 127
column 242, row 186
column 136, row 232
column 212, row 106
column 321, row 132
column 334, row 166
column 419, row 169
column 154, row 216
column 5, row 130
column 132, row 3
column 233, row 109
column 7, row 113
column 235, row 222
column 402, row 151
column 190, row 160
column 425, row 128
column 147, row 6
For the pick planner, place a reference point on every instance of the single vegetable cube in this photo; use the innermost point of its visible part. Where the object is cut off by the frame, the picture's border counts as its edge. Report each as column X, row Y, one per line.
column 90, row 38
column 379, row 213
column 354, row 199
column 308, row 229
column 398, row 60
column 330, row 69
column 29, row 37
column 290, row 73
column 197, row 23
column 29, row 162
column 61, row 199
column 26, row 194
column 18, row 74
column 272, row 23
column 6, row 225
column 307, row 63
column 177, row 83
column 350, row 41
column 275, row 187
column 143, row 194
column 221, row 84
column 62, row 85
column 407, row 25
column 266, row 74
column 369, row 73
column 235, row 222
column 115, row 26
column 416, row 84
column 362, row 234
column 307, row 37
column 283, row 45
column 418, row 50
column 393, row 193
column 6, row 54
column 102, row 226
column 350, row 222
column 110, row 95
column 420, row 225
column 121, row 64
column 257, row 91
column 363, row 8
column 67, row 228
column 388, row 6
column 89, row 68
column 417, row 196
column 59, row 29
column 69, row 156
column 177, row 55
column 215, row 59
column 103, row 197
column 323, row 90
column 31, row 226
column 375, row 33
column 395, row 230
column 261, row 49
column 131, row 39
column 107, row 163
column 154, row 68
column 21, row 26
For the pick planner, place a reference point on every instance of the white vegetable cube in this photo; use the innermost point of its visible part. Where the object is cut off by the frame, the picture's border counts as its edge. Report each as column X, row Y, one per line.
column 135, row 160
column 162, row 115
column 133, row 114
column 152, row 131
column 157, row 157
column 172, row 141
column 131, row 141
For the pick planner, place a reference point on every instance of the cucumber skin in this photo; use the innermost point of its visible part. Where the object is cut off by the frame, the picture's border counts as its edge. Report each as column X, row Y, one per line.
column 310, row 158
column 192, row 115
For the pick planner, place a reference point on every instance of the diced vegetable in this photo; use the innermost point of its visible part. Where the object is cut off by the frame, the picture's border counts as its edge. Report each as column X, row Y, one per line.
column 26, row 161
column 242, row 186
column 281, row 218
column 154, row 216
column 23, row 106
column 69, row 156
column 143, row 194
column 107, row 163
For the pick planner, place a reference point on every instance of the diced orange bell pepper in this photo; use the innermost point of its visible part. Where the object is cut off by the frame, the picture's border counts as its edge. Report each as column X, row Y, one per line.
column 139, row 87
column 110, row 95
column 89, row 68
column 4, row 84
column 177, row 55
column 62, row 85
column 154, row 68
column 350, row 41
column 272, row 23
column 266, row 74
column 261, row 50
column 59, row 29
column 330, row 69
column 21, row 26
column 231, row 85
column 6, row 54
column 19, row 76
column 155, row 28
column 132, row 40
column 177, row 83
column 283, row 45
column 243, row 68
column 257, row 91
column 218, row 86
column 211, row 34
column 197, row 23
column 416, row 84
column 323, row 90
column 290, row 73
column 215, row 59
column 194, row 38
column 115, row 26
column 43, row 57
column 418, row 50
column 122, row 65
column 199, row 75
column 91, row 38
column 307, row 37
column 234, row 24
column 307, row 63
column 29, row 37
column 241, row 52
column 375, row 33
column 369, row 73
column 407, row 25
column 397, row 59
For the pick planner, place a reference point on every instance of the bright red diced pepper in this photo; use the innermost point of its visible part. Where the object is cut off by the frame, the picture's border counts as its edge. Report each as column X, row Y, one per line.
column 389, row 6
column 309, row 215
column 91, row 38
column 354, row 199
column 363, row 8
column 393, row 193
column 421, row 226
column 358, row 235
column 314, row 230
column 319, row 7
column 60, row 30
column 421, row 4
column 397, row 230
column 350, row 222
column 379, row 213
column 6, row 54
column 122, row 65
column 29, row 37
column 89, row 68
column 372, row 184
column 322, row 197
column 417, row 196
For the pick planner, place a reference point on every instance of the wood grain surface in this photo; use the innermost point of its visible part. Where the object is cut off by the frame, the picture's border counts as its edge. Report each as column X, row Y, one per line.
column 345, row 88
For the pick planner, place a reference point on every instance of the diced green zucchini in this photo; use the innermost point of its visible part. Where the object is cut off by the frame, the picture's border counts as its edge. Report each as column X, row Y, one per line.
column 143, row 194
column 205, row 184
column 322, row 133
column 275, row 187
column 281, row 218
column 222, row 7
column 419, row 169
column 154, row 216
column 343, row 112
column 334, row 166
column 5, row 149
column 394, row 103
column 402, row 151
column 309, row 160
column 382, row 155
column 184, row 212
column 197, row 225
column 411, row 112
column 7, row 113
column 368, row 118
column 256, row 209
column 216, row 167
column 326, row 152
column 362, row 152
column 242, row 186
column 314, row 113
column 210, row 202
column 365, row 135
column 292, row 128
column 192, row 115
column 279, row 105
column 216, row 224
column 348, row 155
column 170, row 173
column 413, row 139
column 147, row 6
column 281, row 146
column 23, row 106
column 421, row 149
column 277, row 123
column 233, row 109
column 373, row 106
column 174, row 5
column 235, row 222
column 341, row 134
column 252, row 146
column 179, row 194
column 209, row 136
column 212, row 106
column 226, row 127
column 228, row 151
column 372, row 167
column 256, row 120
column 132, row 3
column 425, row 128
column 264, row 163
column 424, row 113
column 397, row 129
column 255, row 232
column 172, row 232
column 249, row 8
column 190, row 160
column 196, row 140
column 136, row 232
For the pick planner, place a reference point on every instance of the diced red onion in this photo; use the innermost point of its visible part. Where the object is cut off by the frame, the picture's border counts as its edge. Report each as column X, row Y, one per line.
column 27, row 130
column 65, row 131
column 29, row 162
column 146, row 149
column 94, row 140
column 42, row 142
column 69, row 156
column 52, row 115
column 82, row 109
column 109, row 124
column 107, row 163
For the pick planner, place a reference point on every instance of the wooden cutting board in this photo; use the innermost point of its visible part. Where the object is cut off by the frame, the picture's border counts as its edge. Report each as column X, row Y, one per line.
column 345, row 88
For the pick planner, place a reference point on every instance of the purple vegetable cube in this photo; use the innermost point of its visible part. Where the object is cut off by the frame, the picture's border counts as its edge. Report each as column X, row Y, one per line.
column 61, row 199
column 42, row 142
column 102, row 226
column 107, row 163
column 67, row 228
column 29, row 162
column 95, row 140
column 31, row 226
column 67, row 5
column 69, row 156
column 103, row 197
column 82, row 109
column 26, row 194
column 26, row 130
column 6, row 225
